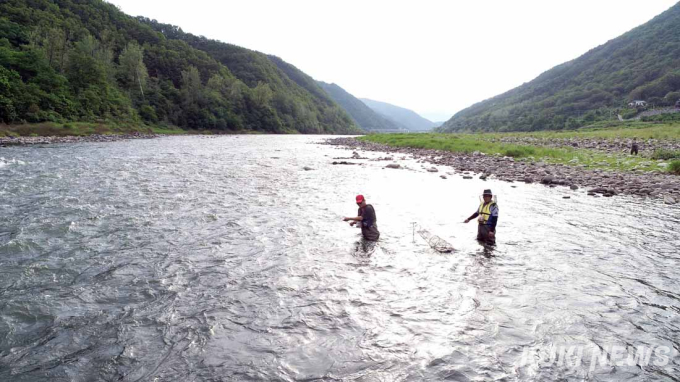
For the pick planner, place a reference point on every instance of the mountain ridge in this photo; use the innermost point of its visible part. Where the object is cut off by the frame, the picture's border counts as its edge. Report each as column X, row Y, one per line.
column 411, row 120
column 86, row 61
column 365, row 117
column 640, row 64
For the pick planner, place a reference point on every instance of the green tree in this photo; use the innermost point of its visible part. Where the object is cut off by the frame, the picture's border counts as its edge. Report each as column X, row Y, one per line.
column 262, row 94
column 132, row 71
column 191, row 85
column 9, row 81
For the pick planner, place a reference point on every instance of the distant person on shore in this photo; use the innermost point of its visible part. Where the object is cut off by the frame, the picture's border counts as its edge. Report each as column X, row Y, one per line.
column 366, row 218
column 487, row 216
column 634, row 147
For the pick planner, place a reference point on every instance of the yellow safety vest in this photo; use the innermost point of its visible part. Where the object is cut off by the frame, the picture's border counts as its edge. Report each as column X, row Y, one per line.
column 485, row 212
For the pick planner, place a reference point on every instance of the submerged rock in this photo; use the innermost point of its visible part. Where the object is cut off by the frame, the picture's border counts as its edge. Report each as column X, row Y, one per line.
column 343, row 162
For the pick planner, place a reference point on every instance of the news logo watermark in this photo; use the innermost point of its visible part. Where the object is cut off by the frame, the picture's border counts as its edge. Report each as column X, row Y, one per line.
column 592, row 357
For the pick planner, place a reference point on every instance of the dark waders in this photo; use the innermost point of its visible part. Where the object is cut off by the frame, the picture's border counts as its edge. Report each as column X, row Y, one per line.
column 372, row 233
column 483, row 234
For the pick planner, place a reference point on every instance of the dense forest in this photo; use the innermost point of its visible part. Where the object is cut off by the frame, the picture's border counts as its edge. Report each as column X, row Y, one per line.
column 85, row 60
column 642, row 64
column 363, row 116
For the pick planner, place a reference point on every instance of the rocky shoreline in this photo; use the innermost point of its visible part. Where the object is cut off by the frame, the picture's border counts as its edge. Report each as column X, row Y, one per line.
column 597, row 182
column 25, row 141
column 617, row 145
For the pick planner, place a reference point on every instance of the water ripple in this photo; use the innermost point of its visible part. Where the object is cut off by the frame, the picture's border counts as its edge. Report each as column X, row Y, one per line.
column 201, row 258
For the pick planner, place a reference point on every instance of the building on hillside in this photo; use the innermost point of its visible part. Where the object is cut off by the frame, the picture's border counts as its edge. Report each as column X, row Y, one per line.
column 637, row 103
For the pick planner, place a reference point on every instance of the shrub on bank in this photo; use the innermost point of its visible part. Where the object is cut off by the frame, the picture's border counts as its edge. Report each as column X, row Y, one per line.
column 666, row 154
column 519, row 152
column 628, row 113
column 667, row 117
column 674, row 167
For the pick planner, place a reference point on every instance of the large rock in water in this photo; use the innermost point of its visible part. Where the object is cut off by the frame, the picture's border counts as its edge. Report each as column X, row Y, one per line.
column 602, row 190
column 548, row 179
column 668, row 199
column 393, row 165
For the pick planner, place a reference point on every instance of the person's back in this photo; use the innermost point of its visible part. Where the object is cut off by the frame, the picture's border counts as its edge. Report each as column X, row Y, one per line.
column 369, row 223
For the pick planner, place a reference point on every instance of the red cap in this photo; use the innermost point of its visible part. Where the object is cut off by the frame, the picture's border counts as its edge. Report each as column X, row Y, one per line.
column 360, row 198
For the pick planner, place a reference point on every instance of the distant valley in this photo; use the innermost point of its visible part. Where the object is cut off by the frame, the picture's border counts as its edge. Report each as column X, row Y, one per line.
column 375, row 116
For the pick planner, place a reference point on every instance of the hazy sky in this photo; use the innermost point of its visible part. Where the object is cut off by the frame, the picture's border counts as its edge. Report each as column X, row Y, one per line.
column 434, row 57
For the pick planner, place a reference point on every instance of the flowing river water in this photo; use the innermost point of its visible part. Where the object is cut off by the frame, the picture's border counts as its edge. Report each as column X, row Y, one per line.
column 221, row 258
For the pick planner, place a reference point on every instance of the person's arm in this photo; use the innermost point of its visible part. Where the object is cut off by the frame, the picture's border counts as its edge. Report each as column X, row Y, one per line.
column 355, row 219
column 472, row 217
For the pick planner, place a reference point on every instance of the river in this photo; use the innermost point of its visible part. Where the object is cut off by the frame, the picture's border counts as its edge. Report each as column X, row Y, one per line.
column 220, row 258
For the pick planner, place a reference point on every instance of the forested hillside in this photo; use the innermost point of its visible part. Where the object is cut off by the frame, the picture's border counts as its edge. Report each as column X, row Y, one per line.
column 642, row 64
column 411, row 120
column 85, row 60
column 363, row 116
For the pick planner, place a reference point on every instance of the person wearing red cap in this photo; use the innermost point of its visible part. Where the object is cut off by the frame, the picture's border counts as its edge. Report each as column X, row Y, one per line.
column 366, row 217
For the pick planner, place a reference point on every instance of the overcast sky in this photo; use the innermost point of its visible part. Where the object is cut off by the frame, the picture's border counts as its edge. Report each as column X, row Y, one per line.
column 434, row 57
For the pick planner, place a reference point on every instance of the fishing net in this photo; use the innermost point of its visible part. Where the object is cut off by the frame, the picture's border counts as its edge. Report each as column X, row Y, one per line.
column 435, row 242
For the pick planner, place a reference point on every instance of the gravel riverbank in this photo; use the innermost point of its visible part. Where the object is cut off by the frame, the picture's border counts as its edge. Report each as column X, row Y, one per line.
column 22, row 141
column 596, row 181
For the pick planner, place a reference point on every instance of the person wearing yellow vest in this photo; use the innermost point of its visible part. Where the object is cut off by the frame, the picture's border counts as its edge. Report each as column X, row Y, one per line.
column 487, row 215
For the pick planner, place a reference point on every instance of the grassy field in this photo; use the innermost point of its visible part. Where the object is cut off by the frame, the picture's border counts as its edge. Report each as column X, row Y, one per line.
column 488, row 144
column 608, row 130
